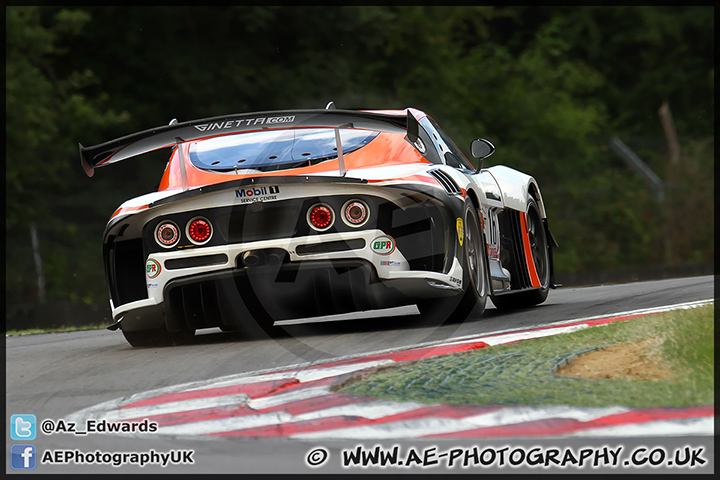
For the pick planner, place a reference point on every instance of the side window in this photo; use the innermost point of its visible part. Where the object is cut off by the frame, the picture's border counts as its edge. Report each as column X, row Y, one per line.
column 446, row 149
column 426, row 146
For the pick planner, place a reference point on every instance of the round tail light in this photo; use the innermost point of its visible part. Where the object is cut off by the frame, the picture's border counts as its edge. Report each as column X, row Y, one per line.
column 355, row 213
column 320, row 217
column 199, row 230
column 167, row 234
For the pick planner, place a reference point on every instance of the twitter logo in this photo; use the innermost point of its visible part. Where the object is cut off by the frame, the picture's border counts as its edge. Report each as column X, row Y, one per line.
column 23, row 427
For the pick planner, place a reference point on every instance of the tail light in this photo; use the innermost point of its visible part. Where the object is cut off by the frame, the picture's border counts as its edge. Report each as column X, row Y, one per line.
column 355, row 213
column 199, row 230
column 321, row 217
column 167, row 234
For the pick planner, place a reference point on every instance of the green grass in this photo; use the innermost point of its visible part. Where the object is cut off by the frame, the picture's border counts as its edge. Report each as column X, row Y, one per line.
column 62, row 328
column 523, row 373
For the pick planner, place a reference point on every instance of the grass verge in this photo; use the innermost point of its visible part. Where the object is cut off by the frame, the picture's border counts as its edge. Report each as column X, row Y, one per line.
column 60, row 329
column 680, row 343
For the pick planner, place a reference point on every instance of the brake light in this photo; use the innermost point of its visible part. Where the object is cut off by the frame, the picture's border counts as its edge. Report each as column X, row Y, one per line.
column 167, row 234
column 355, row 212
column 199, row 230
column 320, row 217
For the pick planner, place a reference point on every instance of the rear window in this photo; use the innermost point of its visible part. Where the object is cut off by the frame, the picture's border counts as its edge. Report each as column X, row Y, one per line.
column 275, row 149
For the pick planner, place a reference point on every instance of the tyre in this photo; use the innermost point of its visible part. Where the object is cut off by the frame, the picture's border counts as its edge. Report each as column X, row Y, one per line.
column 157, row 337
column 475, row 276
column 540, row 250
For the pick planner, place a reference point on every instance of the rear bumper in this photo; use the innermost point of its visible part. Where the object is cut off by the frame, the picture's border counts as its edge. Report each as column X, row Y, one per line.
column 308, row 273
column 291, row 290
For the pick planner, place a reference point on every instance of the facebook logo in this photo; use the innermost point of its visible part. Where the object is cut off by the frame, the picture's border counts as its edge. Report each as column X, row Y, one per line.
column 22, row 457
column 23, row 427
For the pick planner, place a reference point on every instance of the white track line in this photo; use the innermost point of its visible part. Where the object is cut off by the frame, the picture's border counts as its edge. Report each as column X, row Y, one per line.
column 436, row 426
column 369, row 410
column 704, row 426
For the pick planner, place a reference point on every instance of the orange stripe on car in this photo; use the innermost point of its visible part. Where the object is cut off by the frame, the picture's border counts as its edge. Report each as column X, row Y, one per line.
column 534, row 279
column 127, row 210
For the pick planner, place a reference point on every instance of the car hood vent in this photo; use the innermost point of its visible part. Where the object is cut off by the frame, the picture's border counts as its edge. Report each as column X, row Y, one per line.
column 446, row 181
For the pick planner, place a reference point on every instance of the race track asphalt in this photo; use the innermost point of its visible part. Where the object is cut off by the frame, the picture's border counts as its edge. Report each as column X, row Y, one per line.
column 55, row 375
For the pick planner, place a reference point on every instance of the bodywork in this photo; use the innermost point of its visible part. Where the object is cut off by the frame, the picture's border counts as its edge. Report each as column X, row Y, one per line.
column 255, row 179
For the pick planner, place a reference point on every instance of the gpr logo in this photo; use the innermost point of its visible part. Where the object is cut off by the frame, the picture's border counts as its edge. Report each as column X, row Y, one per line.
column 23, row 427
column 23, row 457
column 152, row 268
column 384, row 245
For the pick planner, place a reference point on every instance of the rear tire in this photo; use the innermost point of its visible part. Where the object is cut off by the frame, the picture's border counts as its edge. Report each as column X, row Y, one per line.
column 540, row 248
column 475, row 276
column 476, row 266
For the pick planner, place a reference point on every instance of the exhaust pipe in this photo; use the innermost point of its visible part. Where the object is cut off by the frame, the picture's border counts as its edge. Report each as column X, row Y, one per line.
column 253, row 258
column 268, row 256
column 276, row 257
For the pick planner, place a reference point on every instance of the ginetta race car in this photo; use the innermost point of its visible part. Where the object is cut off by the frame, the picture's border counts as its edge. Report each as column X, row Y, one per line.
column 271, row 216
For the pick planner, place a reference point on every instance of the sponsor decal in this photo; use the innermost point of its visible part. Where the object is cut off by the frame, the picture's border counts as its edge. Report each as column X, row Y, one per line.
column 389, row 263
column 460, row 231
column 153, row 285
column 152, row 268
column 383, row 245
column 456, row 281
column 245, row 122
column 257, row 194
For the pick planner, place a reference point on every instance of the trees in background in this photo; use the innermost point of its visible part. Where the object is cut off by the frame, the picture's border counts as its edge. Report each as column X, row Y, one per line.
column 550, row 86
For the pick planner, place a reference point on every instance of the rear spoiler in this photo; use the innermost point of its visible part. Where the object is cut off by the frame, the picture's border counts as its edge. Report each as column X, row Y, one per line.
column 169, row 135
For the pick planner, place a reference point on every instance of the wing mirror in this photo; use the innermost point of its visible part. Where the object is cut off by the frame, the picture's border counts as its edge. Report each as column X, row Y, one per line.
column 481, row 149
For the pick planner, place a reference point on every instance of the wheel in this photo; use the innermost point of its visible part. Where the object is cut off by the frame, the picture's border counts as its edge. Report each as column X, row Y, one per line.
column 476, row 264
column 540, row 250
column 157, row 337
column 475, row 276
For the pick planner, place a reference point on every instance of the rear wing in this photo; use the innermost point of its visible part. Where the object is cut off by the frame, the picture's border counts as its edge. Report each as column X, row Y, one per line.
column 175, row 133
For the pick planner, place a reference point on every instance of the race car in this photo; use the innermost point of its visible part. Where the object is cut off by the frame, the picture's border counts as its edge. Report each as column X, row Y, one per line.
column 271, row 216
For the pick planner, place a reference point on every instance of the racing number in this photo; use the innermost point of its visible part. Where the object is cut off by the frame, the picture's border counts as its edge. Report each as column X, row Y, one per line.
column 492, row 227
column 491, row 231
